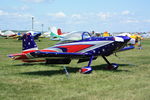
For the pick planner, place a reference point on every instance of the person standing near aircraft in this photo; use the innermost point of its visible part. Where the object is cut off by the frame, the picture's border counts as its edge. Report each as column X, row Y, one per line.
column 136, row 40
column 105, row 34
column 139, row 40
column 93, row 33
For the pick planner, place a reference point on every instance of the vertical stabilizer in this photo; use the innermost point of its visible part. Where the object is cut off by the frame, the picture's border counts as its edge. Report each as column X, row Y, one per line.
column 59, row 31
column 28, row 42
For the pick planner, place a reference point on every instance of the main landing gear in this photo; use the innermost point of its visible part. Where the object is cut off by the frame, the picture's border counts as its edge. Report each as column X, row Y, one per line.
column 88, row 69
column 111, row 66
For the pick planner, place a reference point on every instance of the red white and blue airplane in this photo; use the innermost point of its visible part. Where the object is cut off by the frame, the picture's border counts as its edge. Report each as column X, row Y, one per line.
column 76, row 45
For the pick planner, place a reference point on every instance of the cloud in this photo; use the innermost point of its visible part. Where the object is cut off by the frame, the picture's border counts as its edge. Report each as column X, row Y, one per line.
column 24, row 7
column 147, row 21
column 85, row 20
column 127, row 12
column 21, row 15
column 14, row 17
column 38, row 1
column 35, row 1
column 76, row 16
column 104, row 16
column 14, row 20
column 131, row 21
column 3, row 13
column 57, row 15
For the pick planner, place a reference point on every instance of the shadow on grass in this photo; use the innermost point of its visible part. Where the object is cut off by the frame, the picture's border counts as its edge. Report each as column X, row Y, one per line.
column 52, row 72
column 72, row 70
column 104, row 68
column 31, row 64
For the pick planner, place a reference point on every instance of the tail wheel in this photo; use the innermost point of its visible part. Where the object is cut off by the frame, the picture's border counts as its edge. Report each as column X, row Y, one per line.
column 113, row 66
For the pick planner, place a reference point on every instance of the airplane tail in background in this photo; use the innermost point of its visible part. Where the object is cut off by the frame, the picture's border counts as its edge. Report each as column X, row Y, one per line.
column 59, row 31
column 55, row 34
column 28, row 42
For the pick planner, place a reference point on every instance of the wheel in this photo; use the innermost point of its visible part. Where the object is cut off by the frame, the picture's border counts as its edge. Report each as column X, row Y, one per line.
column 113, row 66
column 86, row 70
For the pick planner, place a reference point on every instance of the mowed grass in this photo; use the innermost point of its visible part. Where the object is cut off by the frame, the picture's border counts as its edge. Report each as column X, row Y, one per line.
column 20, row 81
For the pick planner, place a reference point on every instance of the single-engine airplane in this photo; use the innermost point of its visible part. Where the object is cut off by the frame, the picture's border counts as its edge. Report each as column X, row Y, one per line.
column 76, row 45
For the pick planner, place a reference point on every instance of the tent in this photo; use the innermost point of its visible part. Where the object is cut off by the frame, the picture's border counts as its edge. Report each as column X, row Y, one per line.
column 8, row 33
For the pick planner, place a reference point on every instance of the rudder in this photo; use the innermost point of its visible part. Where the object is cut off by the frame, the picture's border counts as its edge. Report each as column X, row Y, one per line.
column 28, row 42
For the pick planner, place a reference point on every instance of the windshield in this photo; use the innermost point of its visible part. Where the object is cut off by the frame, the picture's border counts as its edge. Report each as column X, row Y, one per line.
column 75, row 36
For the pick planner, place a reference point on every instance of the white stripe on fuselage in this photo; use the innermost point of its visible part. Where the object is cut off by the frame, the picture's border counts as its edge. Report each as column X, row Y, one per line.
column 35, row 48
column 96, row 44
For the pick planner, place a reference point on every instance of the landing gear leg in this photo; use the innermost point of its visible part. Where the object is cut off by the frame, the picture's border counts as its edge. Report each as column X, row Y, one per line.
column 87, row 69
column 111, row 66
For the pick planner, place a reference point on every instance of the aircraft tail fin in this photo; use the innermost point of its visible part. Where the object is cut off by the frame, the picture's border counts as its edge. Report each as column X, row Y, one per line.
column 28, row 42
column 55, row 34
column 59, row 31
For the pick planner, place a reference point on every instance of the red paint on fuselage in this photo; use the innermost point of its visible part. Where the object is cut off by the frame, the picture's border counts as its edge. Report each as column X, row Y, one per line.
column 74, row 48
column 45, row 50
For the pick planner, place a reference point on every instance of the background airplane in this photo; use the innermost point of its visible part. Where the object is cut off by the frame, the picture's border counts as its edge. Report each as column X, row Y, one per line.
column 77, row 45
column 55, row 34
column 7, row 34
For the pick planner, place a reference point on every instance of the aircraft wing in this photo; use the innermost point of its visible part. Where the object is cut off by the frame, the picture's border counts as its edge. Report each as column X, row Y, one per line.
column 56, row 57
column 40, row 54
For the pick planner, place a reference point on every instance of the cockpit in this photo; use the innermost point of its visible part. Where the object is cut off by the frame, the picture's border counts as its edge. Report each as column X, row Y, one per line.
column 75, row 36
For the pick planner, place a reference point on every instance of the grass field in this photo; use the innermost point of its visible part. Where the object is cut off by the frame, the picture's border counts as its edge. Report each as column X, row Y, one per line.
column 48, row 82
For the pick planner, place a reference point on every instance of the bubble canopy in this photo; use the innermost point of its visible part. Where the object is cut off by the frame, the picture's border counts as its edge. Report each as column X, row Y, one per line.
column 76, row 36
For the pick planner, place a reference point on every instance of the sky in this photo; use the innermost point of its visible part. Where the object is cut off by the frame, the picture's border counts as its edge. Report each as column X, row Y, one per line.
column 76, row 15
